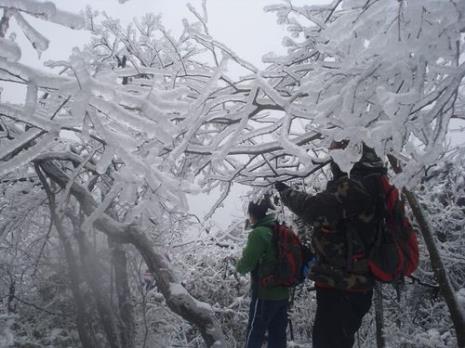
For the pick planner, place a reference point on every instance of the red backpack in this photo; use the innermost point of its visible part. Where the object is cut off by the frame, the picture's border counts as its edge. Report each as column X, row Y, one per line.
column 395, row 251
column 290, row 252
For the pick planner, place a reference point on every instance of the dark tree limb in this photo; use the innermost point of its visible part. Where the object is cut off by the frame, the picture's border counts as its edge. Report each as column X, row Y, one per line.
column 177, row 298
column 447, row 291
column 92, row 273
column 83, row 320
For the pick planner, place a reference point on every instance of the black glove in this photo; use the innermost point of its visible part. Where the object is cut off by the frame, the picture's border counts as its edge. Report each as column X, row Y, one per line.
column 280, row 186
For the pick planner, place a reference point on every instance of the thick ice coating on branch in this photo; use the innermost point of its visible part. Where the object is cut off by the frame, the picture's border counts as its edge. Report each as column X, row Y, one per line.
column 45, row 9
column 37, row 40
column 9, row 50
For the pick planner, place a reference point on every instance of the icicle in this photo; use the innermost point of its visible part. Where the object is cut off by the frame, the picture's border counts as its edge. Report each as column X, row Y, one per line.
column 85, row 133
column 105, row 160
column 37, row 40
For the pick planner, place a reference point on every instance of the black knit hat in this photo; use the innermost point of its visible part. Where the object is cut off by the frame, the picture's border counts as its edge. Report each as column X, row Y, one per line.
column 259, row 209
column 369, row 159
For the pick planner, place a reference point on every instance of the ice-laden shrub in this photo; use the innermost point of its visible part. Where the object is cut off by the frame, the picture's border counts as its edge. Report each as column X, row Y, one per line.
column 210, row 277
column 161, row 327
column 28, row 331
column 208, row 269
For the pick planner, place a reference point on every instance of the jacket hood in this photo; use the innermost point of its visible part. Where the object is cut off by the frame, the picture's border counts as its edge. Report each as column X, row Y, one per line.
column 268, row 220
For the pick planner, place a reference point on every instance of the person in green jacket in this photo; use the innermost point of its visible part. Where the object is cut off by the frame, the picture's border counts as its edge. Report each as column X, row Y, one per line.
column 268, row 305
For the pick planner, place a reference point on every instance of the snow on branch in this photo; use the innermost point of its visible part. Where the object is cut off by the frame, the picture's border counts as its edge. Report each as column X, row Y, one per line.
column 28, row 155
column 37, row 40
column 9, row 50
column 45, row 10
column 42, row 9
column 380, row 72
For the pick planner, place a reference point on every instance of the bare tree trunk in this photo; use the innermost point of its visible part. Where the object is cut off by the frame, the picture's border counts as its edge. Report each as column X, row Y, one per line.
column 379, row 316
column 83, row 319
column 177, row 298
column 440, row 272
column 119, row 261
column 92, row 274
column 123, row 292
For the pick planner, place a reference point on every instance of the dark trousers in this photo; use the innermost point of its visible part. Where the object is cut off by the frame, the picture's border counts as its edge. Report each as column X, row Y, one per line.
column 338, row 317
column 267, row 315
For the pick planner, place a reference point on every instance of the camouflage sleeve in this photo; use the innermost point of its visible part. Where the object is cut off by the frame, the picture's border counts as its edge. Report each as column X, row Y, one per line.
column 346, row 200
column 323, row 205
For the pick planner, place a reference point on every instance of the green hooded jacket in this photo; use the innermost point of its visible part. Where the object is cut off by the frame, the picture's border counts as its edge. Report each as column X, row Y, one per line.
column 259, row 251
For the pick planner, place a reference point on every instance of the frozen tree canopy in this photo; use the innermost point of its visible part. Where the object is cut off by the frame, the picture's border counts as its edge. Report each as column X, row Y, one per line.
column 391, row 81
column 115, row 137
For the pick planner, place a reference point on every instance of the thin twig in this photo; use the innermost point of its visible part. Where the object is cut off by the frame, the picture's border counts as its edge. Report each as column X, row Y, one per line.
column 47, row 236
column 39, row 308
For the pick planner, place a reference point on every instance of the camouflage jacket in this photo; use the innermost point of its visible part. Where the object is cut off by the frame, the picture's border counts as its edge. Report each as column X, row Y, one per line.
column 344, row 221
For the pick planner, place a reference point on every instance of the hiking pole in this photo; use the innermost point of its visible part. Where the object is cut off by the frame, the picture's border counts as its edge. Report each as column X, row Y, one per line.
column 291, row 304
column 291, row 330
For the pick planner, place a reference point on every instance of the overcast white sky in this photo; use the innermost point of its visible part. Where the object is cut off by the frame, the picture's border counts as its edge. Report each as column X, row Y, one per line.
column 242, row 25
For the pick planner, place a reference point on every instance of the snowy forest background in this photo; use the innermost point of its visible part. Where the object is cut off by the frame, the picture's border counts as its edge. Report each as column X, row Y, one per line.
column 97, row 162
